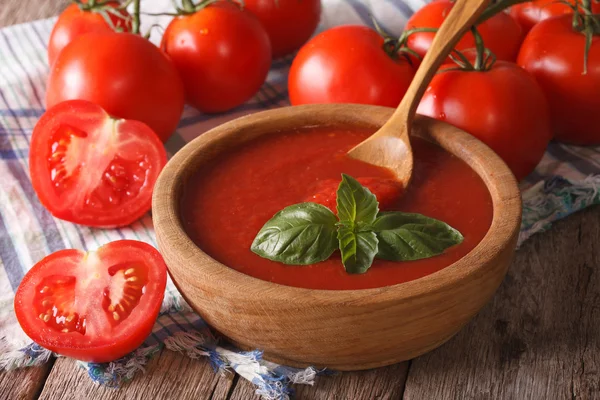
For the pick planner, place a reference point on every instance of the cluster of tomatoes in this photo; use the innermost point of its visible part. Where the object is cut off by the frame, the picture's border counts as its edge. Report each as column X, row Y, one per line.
column 542, row 85
column 113, row 98
column 93, row 170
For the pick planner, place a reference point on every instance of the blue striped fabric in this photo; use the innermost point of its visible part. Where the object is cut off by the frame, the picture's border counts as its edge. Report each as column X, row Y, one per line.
column 565, row 181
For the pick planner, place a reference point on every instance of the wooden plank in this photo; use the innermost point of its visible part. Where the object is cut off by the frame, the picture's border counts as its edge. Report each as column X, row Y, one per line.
column 24, row 383
column 18, row 11
column 168, row 375
column 540, row 336
column 381, row 384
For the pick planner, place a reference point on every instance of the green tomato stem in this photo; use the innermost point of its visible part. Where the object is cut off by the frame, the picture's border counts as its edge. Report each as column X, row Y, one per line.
column 135, row 25
column 480, row 48
column 188, row 6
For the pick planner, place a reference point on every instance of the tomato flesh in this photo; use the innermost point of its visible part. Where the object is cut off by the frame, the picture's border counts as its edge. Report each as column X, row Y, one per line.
column 387, row 191
column 96, row 306
column 91, row 169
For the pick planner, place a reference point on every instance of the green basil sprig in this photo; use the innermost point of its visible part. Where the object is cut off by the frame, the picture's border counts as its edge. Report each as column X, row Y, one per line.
column 308, row 233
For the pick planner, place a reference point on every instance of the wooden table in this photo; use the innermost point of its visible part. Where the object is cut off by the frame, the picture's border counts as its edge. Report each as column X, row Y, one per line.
column 539, row 338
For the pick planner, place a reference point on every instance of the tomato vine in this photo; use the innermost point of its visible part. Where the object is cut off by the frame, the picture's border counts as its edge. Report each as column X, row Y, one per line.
column 587, row 23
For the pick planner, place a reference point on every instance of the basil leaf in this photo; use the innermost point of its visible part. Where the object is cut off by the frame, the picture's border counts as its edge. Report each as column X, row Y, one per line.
column 301, row 234
column 358, row 249
column 406, row 237
column 355, row 203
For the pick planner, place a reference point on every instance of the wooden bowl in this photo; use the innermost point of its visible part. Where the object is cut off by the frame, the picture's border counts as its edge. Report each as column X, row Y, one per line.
column 345, row 329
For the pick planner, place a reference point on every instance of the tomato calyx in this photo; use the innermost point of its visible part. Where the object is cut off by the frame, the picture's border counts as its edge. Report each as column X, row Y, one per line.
column 396, row 47
column 106, row 8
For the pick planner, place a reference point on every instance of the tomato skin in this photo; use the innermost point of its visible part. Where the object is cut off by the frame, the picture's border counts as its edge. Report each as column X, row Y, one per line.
column 106, row 151
column 504, row 107
column 501, row 33
column 221, row 67
column 347, row 64
column 103, row 340
column 74, row 22
column 553, row 53
column 289, row 23
column 530, row 13
column 125, row 74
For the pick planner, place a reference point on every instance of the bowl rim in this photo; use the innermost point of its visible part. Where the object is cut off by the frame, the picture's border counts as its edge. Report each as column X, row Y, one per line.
column 499, row 180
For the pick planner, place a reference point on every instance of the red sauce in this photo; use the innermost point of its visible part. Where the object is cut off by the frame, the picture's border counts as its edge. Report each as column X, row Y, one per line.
column 226, row 203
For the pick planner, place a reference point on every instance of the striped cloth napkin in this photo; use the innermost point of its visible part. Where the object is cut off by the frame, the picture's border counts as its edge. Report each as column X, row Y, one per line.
column 567, row 180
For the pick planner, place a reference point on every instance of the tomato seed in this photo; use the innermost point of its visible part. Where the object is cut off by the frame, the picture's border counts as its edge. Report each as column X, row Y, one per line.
column 116, row 316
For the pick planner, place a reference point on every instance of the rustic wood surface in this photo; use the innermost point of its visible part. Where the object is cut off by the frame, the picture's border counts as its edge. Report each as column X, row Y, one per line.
column 539, row 338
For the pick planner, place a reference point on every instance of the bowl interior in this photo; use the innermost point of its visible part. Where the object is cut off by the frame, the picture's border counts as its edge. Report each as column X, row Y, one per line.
column 173, row 239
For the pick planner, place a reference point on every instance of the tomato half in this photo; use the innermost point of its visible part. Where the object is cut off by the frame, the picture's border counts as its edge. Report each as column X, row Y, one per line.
column 123, row 73
column 289, row 23
column 503, row 107
column 222, row 53
column 347, row 64
column 91, row 169
column 76, row 21
column 530, row 13
column 96, row 306
column 554, row 53
column 501, row 33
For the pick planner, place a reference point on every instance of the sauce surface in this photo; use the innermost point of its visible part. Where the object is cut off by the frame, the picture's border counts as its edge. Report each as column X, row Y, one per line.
column 226, row 203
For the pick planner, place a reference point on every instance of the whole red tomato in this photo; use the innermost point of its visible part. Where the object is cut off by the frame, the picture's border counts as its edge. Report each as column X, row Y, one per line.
column 504, row 107
column 554, row 53
column 222, row 54
column 530, row 13
column 124, row 74
column 96, row 306
column 347, row 64
column 77, row 20
column 501, row 33
column 289, row 23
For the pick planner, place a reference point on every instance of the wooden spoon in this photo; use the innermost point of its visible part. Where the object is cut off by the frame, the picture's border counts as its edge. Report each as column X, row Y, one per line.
column 389, row 147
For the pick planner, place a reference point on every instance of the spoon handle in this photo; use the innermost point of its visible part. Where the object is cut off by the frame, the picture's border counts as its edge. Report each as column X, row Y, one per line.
column 462, row 16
